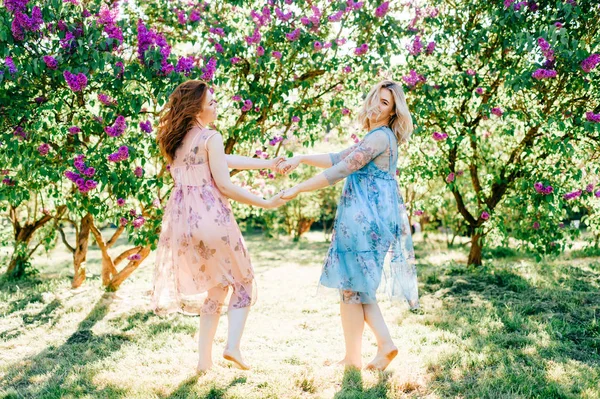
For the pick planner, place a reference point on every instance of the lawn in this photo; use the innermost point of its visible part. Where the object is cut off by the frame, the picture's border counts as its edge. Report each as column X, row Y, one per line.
column 514, row 328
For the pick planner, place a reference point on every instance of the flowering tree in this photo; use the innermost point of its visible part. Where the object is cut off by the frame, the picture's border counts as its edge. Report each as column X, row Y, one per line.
column 83, row 81
column 507, row 103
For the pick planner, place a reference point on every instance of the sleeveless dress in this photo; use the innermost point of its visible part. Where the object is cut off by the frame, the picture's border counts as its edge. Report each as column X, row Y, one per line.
column 371, row 238
column 200, row 245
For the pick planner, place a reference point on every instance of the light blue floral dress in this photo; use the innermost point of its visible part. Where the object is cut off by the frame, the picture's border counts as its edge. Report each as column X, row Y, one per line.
column 371, row 237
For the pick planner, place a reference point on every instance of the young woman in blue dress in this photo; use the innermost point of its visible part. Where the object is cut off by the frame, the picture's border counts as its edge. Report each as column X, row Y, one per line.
column 371, row 246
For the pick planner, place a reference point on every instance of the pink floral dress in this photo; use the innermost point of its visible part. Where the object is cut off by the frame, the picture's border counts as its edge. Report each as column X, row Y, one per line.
column 200, row 246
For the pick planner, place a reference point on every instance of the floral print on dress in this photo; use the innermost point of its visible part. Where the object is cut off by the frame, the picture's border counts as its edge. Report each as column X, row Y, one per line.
column 371, row 247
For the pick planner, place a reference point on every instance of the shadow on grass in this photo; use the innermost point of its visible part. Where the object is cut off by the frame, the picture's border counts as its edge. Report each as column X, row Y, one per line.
column 353, row 388
column 517, row 337
column 188, row 389
column 57, row 372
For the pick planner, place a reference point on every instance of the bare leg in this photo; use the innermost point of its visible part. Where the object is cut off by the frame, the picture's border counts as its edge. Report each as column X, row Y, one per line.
column 209, row 320
column 353, row 324
column 237, row 321
column 386, row 350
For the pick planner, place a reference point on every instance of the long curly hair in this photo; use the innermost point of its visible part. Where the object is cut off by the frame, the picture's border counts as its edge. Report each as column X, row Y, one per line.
column 400, row 122
column 179, row 115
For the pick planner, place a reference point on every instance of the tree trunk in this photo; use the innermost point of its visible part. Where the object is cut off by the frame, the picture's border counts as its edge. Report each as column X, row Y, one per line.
column 117, row 280
column 19, row 259
column 23, row 235
column 302, row 226
column 475, row 254
column 80, row 254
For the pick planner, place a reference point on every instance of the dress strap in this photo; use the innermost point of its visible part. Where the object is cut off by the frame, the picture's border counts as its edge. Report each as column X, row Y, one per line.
column 206, row 141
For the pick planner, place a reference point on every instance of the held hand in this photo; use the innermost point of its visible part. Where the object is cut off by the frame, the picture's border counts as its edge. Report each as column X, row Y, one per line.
column 290, row 193
column 289, row 165
column 276, row 201
column 276, row 164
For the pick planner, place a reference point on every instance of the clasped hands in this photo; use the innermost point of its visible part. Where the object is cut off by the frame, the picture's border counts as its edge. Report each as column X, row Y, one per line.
column 285, row 166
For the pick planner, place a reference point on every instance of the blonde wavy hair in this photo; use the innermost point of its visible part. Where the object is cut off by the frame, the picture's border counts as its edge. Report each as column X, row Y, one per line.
column 400, row 122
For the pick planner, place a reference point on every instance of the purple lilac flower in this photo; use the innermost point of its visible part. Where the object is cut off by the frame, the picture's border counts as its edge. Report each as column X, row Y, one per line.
column 120, row 202
column 74, row 130
column 293, row 36
column 572, row 195
column 276, row 54
column 546, row 49
column 260, row 51
column 106, row 99
column 282, row 15
column 185, row 65
column 382, row 9
column 138, row 222
column 255, row 38
column 10, row 64
column 194, row 16
column 43, row 149
column 107, row 18
column 235, row 60
column 362, row 49
column 544, row 74
column 337, row 17
column 592, row 117
column 450, row 177
column 416, row 46
column 247, row 106
column 76, row 82
column 134, row 257
column 23, row 23
column 590, row 62
column 589, row 188
column 146, row 126
column 139, row 171
column 295, row 119
column 536, row 225
column 208, row 72
column 540, row 189
column 317, row 46
column 497, row 111
column 437, row 136
column 120, row 155
column 51, row 62
column 16, row 5
column 430, row 48
column 275, row 140
column 118, row 128
column 485, row 215
column 347, row 69
column 20, row 133
column 217, row 31
column 413, row 78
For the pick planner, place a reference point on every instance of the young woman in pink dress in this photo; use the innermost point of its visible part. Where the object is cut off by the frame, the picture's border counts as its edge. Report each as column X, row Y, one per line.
column 202, row 257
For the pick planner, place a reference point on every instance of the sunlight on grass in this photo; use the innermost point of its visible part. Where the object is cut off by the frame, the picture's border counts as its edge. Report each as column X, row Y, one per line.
column 518, row 329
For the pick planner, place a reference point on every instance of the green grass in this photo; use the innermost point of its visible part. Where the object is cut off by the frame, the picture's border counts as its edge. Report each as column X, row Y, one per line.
column 511, row 329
